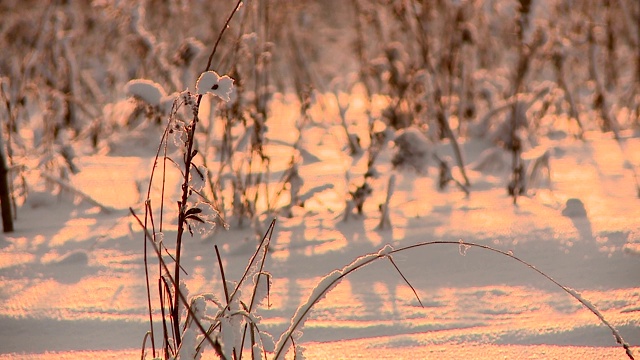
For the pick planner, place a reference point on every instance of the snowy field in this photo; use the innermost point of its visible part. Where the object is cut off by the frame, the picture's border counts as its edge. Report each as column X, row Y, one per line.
column 342, row 124
column 73, row 278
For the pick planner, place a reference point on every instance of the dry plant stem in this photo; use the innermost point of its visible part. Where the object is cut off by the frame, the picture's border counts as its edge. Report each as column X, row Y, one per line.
column 616, row 334
column 182, row 206
column 558, row 61
column 224, row 287
column 422, row 37
column 360, row 49
column 415, row 293
column 164, row 178
column 600, row 101
column 7, row 201
column 146, row 277
column 171, row 279
column 224, row 278
column 164, row 292
column 144, row 343
column 437, row 97
column 148, row 237
column 148, row 214
column 524, row 58
column 264, row 244
column 151, row 237
column 224, row 28
column 601, row 104
column 454, row 143
column 5, row 191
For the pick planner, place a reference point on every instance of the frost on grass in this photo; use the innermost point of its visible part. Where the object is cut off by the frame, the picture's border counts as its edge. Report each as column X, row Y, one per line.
column 463, row 247
column 231, row 325
column 198, row 177
column 211, row 82
column 201, row 217
column 185, row 293
column 159, row 237
column 192, row 336
column 262, row 284
column 319, row 292
column 385, row 251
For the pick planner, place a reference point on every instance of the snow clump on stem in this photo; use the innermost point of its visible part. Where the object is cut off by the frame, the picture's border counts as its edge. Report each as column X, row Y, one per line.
column 211, row 82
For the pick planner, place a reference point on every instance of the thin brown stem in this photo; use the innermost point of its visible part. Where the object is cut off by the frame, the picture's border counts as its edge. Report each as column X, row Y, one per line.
column 172, row 280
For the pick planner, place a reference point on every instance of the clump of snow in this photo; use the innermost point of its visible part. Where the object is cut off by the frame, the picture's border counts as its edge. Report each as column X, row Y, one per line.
column 412, row 150
column 261, row 288
column 211, row 82
column 184, row 290
column 385, row 251
column 231, row 327
column 150, row 92
column 188, row 345
column 462, row 248
column 191, row 335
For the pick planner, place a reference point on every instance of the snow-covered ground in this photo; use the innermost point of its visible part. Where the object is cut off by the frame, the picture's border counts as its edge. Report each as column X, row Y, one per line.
column 72, row 275
column 72, row 280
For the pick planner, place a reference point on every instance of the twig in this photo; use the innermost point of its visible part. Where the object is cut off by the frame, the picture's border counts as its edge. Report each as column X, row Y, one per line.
column 224, row 279
column 172, row 280
column 182, row 205
column 405, row 279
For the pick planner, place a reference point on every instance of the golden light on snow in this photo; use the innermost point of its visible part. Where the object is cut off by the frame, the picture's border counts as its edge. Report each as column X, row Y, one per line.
column 72, row 275
column 75, row 230
column 374, row 302
column 16, row 258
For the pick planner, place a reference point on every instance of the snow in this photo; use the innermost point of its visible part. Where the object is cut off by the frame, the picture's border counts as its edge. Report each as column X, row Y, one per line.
column 72, row 274
column 72, row 280
column 211, row 82
column 413, row 149
column 150, row 92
